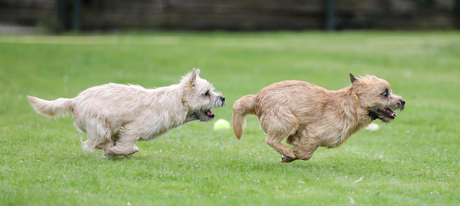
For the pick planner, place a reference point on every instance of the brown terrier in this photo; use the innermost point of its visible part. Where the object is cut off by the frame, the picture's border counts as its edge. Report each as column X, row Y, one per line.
column 310, row 116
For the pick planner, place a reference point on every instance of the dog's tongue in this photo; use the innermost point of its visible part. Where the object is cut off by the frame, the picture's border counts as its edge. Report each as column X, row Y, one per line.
column 390, row 112
column 209, row 113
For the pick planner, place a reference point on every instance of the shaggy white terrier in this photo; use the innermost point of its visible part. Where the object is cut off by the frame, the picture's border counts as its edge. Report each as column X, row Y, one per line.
column 115, row 116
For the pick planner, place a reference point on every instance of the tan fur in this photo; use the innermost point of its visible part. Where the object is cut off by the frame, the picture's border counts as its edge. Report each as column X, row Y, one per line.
column 115, row 116
column 241, row 108
column 309, row 116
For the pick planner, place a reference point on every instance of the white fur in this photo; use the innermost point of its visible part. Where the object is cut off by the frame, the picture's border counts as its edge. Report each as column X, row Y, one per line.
column 114, row 116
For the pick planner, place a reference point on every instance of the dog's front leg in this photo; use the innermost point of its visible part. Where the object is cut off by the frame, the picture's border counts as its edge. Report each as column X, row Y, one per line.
column 303, row 147
column 124, row 147
column 286, row 159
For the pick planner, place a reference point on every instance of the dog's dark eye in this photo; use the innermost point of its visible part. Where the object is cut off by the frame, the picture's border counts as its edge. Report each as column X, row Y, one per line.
column 385, row 93
column 206, row 93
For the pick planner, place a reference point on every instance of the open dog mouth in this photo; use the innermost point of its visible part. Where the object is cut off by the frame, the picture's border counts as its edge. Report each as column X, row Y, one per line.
column 388, row 112
column 209, row 113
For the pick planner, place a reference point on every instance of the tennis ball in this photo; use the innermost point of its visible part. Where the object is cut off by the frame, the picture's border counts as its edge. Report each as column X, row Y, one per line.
column 221, row 124
column 373, row 127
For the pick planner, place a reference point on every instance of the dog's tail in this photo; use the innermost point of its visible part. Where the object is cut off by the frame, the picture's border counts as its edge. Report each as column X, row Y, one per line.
column 241, row 108
column 58, row 107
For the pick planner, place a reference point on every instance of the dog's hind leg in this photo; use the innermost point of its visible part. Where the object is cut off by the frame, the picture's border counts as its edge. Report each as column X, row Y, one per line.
column 104, row 145
column 275, row 143
column 96, row 141
column 279, row 126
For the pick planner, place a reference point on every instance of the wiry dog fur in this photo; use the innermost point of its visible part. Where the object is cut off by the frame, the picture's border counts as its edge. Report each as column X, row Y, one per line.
column 310, row 116
column 115, row 116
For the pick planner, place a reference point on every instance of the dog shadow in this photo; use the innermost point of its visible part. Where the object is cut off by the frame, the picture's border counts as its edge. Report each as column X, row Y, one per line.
column 238, row 165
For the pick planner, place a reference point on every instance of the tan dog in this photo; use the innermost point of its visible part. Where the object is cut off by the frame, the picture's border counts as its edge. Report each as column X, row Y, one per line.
column 310, row 116
column 115, row 116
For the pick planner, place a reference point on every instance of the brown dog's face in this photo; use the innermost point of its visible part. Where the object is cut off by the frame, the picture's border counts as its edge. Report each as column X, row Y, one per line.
column 376, row 97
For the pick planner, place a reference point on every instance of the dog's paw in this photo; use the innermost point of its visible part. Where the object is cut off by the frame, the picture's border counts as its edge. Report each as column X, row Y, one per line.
column 134, row 152
column 286, row 159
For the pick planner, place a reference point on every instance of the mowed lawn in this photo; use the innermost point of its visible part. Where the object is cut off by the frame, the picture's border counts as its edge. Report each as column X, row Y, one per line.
column 414, row 160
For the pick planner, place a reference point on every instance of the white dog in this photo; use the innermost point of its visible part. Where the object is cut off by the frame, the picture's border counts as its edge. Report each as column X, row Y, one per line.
column 115, row 116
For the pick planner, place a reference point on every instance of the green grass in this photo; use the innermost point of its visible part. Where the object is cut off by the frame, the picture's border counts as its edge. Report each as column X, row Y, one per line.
column 413, row 161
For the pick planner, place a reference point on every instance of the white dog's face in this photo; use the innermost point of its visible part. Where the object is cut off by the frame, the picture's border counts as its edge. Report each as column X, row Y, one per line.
column 199, row 96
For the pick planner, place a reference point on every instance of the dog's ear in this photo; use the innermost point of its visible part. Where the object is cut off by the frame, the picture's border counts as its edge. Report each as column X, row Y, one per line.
column 192, row 80
column 355, row 82
column 197, row 71
column 352, row 78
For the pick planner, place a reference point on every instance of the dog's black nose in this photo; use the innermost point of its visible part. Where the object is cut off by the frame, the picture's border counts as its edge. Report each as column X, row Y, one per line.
column 403, row 102
column 223, row 99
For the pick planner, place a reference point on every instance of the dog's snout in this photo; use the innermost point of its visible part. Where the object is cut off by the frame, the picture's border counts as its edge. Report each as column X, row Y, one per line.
column 402, row 104
column 222, row 98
